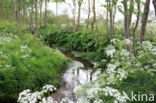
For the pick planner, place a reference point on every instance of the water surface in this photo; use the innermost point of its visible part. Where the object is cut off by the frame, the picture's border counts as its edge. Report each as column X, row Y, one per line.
column 79, row 72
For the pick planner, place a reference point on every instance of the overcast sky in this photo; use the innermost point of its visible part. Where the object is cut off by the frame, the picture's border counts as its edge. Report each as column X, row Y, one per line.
column 67, row 7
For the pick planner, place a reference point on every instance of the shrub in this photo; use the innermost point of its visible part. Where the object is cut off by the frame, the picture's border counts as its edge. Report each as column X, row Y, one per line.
column 26, row 63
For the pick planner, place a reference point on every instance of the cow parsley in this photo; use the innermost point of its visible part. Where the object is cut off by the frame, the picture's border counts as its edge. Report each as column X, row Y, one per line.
column 110, row 50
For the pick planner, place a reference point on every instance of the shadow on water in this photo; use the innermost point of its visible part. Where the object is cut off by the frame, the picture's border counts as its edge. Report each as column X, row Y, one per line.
column 79, row 72
column 85, row 62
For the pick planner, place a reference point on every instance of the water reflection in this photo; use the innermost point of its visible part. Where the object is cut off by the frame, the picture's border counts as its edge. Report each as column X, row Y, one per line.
column 78, row 73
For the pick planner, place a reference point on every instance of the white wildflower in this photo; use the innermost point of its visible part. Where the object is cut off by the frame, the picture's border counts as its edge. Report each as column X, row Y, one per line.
column 147, row 45
column 110, row 50
column 128, row 41
column 115, row 40
column 124, row 52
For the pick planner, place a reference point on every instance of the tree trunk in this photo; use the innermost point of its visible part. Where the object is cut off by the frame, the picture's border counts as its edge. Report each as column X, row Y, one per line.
column 144, row 20
column 36, row 17
column 74, row 11
column 31, row 17
column 130, row 13
column 16, row 10
column 23, row 8
column 111, row 21
column 154, row 4
column 88, row 14
column 41, row 13
column 135, row 27
column 45, row 15
column 126, row 33
column 94, row 17
column 79, row 15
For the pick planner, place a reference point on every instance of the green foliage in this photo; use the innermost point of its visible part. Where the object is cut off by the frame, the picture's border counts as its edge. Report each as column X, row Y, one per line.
column 123, row 73
column 81, row 41
column 26, row 63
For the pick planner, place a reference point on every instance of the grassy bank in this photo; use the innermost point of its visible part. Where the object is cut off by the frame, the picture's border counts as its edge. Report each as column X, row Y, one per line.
column 26, row 63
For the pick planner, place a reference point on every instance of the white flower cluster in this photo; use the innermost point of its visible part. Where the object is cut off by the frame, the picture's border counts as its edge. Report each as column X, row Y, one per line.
column 26, row 51
column 47, row 100
column 66, row 100
column 110, row 50
column 153, row 50
column 108, row 91
column 115, row 40
column 50, row 88
column 114, row 75
column 122, row 74
column 147, row 45
column 124, row 52
column 39, row 96
column 7, row 38
column 3, row 62
column 111, row 68
column 128, row 42
column 85, row 100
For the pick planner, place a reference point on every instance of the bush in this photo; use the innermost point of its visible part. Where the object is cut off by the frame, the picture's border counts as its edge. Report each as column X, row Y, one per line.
column 26, row 63
column 80, row 41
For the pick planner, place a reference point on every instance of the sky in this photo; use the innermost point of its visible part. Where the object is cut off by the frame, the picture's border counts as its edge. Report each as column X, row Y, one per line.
column 101, row 11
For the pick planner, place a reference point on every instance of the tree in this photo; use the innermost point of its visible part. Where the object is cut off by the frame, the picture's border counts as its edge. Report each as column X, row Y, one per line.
column 88, row 14
column 41, row 2
column 130, row 12
column 144, row 20
column 94, row 17
column 136, row 25
column 79, row 13
column 111, row 13
column 16, row 10
column 31, row 14
column 126, row 27
column 36, row 15
column 57, row 1
column 74, row 11
column 45, row 14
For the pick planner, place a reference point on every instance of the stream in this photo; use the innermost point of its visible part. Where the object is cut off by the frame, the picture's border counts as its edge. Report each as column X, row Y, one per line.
column 79, row 72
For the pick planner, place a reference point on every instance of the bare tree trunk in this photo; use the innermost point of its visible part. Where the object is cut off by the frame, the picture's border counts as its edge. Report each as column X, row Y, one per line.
column 45, row 15
column 88, row 14
column 31, row 17
column 16, row 10
column 154, row 4
column 41, row 13
column 36, row 17
column 111, row 21
column 79, row 15
column 126, row 31
column 23, row 9
column 135, row 27
column 144, row 20
column 74, row 11
column 130, row 13
column 94, row 17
